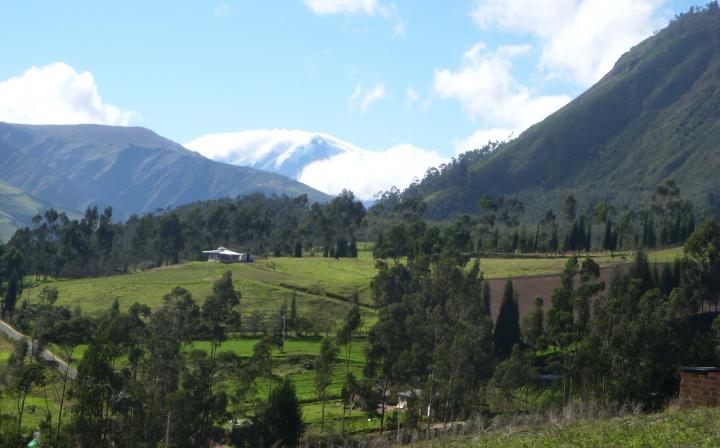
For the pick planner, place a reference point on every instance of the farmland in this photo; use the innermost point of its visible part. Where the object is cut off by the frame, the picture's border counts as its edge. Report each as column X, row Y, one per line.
column 323, row 289
column 322, row 285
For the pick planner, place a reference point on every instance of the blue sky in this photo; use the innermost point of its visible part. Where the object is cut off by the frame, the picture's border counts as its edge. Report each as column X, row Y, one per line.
column 372, row 72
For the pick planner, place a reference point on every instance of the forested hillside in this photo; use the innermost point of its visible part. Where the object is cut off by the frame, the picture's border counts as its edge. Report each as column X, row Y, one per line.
column 653, row 117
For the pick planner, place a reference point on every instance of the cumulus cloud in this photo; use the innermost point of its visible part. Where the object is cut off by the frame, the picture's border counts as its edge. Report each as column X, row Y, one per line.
column 580, row 39
column 486, row 88
column 57, row 94
column 368, row 172
column 362, row 98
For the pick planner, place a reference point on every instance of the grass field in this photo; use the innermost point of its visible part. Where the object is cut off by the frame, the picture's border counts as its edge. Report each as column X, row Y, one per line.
column 321, row 285
column 696, row 428
column 38, row 402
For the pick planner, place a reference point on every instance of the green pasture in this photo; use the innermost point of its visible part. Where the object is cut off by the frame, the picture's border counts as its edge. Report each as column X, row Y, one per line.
column 323, row 287
column 522, row 266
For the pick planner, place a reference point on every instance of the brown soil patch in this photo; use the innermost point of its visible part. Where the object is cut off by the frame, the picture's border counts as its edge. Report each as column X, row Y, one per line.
column 527, row 288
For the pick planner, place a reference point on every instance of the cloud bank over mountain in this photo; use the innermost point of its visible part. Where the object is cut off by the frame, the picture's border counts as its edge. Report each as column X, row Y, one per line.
column 320, row 160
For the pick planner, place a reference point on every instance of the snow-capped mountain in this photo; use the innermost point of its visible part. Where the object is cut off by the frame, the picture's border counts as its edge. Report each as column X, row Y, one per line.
column 320, row 160
column 282, row 151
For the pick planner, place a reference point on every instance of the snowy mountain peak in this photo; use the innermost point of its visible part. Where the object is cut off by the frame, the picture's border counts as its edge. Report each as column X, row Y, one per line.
column 282, row 151
column 320, row 160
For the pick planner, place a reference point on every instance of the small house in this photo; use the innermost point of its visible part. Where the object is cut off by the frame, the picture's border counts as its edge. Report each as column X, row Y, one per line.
column 404, row 398
column 223, row 255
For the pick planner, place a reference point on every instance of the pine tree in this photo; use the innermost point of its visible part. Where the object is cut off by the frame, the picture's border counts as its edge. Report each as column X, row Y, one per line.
column 507, row 327
column 607, row 238
column 485, row 298
column 280, row 419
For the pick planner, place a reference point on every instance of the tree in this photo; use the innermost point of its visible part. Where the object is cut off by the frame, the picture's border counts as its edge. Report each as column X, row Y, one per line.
column 353, row 321
column 293, row 322
column 169, row 239
column 570, row 208
column 323, row 373
column 560, row 326
column 25, row 373
column 533, row 325
column 13, row 266
column 507, row 326
column 298, row 250
column 279, row 420
column 218, row 311
column 485, row 299
column 68, row 334
column 255, row 321
column 702, row 249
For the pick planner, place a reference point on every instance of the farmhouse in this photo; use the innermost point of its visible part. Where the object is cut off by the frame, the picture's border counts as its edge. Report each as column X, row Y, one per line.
column 223, row 255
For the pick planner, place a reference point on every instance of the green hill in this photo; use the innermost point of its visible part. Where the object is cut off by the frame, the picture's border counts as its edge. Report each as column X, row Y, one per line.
column 655, row 116
column 16, row 209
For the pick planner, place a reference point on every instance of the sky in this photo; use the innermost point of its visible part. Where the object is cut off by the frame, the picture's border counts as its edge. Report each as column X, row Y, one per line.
column 440, row 76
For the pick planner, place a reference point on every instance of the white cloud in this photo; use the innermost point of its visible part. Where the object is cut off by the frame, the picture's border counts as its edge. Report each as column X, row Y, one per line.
column 486, row 88
column 222, row 9
column 481, row 138
column 369, row 172
column 411, row 96
column 388, row 12
column 57, row 94
column 362, row 98
column 325, row 7
column 579, row 39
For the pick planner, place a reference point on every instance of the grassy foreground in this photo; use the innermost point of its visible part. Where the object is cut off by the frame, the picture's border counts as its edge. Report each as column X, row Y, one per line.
column 674, row 428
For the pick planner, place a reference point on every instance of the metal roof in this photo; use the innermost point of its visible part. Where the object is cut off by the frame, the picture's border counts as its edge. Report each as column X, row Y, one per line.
column 699, row 369
column 221, row 251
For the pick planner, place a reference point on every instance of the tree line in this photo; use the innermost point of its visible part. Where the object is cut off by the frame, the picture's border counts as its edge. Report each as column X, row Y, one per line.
column 499, row 226
column 57, row 246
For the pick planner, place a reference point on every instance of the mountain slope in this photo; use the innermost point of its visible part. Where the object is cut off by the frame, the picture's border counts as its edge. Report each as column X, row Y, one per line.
column 655, row 116
column 132, row 169
column 16, row 209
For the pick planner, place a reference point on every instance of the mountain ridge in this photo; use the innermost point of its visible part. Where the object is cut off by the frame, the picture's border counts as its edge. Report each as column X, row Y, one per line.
column 655, row 116
column 133, row 169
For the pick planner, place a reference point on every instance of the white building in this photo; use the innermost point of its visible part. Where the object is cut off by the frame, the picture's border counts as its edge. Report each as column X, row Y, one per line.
column 223, row 255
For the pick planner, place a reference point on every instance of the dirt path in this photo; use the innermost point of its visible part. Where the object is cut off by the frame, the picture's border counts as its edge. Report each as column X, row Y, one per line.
column 47, row 355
